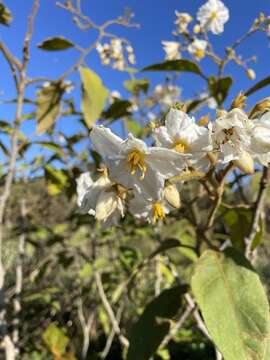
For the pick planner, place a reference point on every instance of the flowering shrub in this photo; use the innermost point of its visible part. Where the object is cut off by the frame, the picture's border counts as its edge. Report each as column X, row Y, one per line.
column 143, row 232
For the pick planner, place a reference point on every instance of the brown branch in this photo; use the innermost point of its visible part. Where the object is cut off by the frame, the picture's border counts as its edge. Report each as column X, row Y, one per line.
column 258, row 210
column 115, row 325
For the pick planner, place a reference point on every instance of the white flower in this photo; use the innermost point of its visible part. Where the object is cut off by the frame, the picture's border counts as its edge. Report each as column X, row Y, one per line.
column 166, row 96
column 151, row 210
column 260, row 139
column 182, row 21
column 101, row 198
column 197, row 49
column 212, row 16
column 171, row 49
column 135, row 165
column 182, row 134
column 232, row 134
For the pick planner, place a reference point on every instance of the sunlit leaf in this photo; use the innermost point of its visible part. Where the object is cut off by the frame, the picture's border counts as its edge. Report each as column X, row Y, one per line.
column 233, row 304
column 56, row 340
column 94, row 96
column 49, row 105
column 55, row 44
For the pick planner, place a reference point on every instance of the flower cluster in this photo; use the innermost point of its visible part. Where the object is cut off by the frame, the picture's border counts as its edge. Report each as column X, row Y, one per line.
column 145, row 180
column 210, row 17
column 116, row 53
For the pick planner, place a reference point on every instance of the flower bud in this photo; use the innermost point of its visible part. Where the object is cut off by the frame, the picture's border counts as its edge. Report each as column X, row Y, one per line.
column 263, row 105
column 172, row 195
column 239, row 102
column 197, row 29
column 204, row 120
column 245, row 163
column 251, row 74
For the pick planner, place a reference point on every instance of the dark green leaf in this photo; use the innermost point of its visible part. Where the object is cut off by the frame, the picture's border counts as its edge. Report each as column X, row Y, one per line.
column 175, row 65
column 55, row 44
column 5, row 15
column 233, row 304
column 118, row 109
column 260, row 84
column 219, row 89
column 136, row 85
column 154, row 324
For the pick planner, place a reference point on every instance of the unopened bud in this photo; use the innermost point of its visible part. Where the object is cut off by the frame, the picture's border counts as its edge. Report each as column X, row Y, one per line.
column 239, row 102
column 245, row 163
column 172, row 195
column 251, row 74
column 204, row 120
column 261, row 106
column 197, row 29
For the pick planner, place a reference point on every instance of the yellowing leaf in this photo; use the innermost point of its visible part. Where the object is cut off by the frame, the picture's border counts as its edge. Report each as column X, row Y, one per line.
column 94, row 96
column 49, row 105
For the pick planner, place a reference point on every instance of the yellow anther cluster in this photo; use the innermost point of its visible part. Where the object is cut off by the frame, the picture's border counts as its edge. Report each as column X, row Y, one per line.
column 158, row 212
column 181, row 146
column 135, row 160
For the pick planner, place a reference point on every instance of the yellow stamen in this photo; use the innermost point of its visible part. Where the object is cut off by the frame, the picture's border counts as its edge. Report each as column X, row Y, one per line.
column 181, row 146
column 213, row 15
column 135, row 160
column 199, row 54
column 158, row 212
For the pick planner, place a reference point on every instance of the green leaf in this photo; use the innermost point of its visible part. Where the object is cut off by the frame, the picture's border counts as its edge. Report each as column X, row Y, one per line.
column 5, row 15
column 233, row 304
column 136, row 85
column 238, row 221
column 94, row 96
column 49, row 105
column 219, row 89
column 175, row 65
column 133, row 127
column 154, row 324
column 118, row 109
column 260, row 84
column 258, row 237
column 50, row 146
column 56, row 340
column 55, row 44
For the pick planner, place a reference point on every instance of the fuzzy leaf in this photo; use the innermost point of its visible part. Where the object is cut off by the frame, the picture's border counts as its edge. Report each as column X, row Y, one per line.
column 233, row 304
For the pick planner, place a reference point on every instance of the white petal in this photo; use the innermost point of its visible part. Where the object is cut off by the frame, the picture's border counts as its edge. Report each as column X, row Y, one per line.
column 132, row 143
column 105, row 142
column 106, row 205
column 165, row 161
column 83, row 183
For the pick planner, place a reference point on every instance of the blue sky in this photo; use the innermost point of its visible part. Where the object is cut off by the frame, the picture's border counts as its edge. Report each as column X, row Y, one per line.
column 156, row 18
